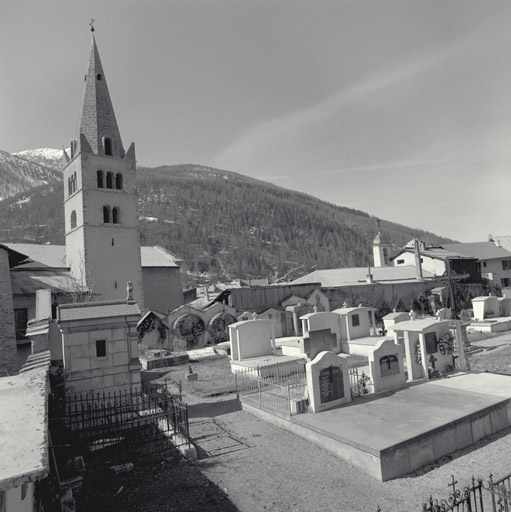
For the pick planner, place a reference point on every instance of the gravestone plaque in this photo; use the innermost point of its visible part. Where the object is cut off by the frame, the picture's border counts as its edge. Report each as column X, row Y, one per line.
column 389, row 365
column 431, row 343
column 331, row 384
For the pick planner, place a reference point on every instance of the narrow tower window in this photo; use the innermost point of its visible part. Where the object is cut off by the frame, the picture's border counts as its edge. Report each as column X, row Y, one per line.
column 109, row 180
column 100, row 348
column 73, row 219
column 118, row 181
column 69, row 187
column 115, row 215
column 106, row 214
column 100, row 175
column 99, row 77
column 107, row 141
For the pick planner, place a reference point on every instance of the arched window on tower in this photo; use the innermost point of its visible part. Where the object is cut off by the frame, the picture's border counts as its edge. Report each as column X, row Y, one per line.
column 100, row 176
column 118, row 181
column 107, row 143
column 109, row 179
column 69, row 187
column 106, row 214
column 115, row 215
column 73, row 219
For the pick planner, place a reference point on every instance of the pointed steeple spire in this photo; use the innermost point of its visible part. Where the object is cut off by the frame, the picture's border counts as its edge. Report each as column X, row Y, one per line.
column 98, row 132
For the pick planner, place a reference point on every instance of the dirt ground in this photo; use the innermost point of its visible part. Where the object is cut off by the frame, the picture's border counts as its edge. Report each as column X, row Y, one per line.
column 264, row 468
column 249, row 465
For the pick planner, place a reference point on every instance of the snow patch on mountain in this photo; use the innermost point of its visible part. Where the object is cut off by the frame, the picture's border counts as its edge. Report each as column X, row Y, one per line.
column 49, row 157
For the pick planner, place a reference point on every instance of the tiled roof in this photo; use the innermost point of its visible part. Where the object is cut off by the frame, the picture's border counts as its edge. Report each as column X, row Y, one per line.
column 504, row 240
column 437, row 253
column 479, row 250
column 26, row 282
column 54, row 256
column 49, row 255
column 334, row 277
column 157, row 256
column 89, row 310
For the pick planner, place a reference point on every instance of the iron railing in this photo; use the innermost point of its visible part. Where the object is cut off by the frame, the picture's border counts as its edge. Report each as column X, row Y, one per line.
column 360, row 383
column 138, row 421
column 280, row 387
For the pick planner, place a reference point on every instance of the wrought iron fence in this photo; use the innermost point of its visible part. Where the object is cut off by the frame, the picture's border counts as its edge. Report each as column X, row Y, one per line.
column 134, row 422
column 280, row 387
column 360, row 383
column 500, row 491
column 494, row 496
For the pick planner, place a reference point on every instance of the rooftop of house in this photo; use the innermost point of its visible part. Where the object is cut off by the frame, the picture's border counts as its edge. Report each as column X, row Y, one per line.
column 23, row 427
column 91, row 310
column 334, row 277
column 480, row 250
column 438, row 253
column 54, row 256
column 503, row 240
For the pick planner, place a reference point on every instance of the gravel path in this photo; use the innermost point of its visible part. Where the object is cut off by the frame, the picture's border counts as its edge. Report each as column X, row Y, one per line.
column 263, row 467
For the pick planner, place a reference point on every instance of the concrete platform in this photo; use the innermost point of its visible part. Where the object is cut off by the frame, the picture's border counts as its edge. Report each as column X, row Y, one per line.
column 498, row 324
column 391, row 434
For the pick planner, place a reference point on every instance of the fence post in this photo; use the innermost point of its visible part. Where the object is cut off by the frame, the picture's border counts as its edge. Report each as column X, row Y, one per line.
column 491, row 487
column 259, row 390
column 289, row 399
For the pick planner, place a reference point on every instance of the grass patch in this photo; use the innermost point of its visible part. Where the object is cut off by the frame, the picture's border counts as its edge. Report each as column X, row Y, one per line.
column 494, row 361
column 214, row 377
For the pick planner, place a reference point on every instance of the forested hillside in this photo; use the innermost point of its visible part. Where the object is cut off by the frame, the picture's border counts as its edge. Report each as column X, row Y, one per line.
column 224, row 225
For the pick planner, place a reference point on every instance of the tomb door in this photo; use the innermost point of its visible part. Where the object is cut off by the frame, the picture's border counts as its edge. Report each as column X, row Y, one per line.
column 331, row 384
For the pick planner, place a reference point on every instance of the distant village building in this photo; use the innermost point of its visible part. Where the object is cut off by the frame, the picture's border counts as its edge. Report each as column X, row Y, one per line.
column 438, row 261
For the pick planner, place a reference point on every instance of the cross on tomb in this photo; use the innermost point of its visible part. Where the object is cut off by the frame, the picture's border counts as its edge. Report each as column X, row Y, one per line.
column 433, row 360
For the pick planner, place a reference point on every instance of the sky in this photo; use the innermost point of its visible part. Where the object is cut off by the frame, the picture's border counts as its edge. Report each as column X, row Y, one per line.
column 399, row 108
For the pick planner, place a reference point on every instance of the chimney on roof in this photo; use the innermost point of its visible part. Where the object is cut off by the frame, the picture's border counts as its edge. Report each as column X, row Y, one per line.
column 129, row 289
column 497, row 243
column 490, row 238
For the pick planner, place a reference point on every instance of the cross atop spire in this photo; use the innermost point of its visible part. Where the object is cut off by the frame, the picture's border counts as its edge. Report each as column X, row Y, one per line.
column 91, row 24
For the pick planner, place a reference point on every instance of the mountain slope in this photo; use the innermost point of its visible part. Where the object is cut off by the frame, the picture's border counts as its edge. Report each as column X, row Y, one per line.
column 223, row 225
column 47, row 157
column 19, row 174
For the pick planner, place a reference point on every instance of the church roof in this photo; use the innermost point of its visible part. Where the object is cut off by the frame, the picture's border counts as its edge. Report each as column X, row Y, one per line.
column 54, row 256
column 98, row 118
column 27, row 281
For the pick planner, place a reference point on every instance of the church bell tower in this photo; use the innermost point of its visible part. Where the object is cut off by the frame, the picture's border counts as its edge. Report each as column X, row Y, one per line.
column 101, row 216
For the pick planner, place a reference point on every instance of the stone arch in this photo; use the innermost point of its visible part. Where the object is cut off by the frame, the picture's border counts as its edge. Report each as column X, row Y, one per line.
column 190, row 327
column 107, row 143
column 218, row 326
column 110, row 179
column 106, row 214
